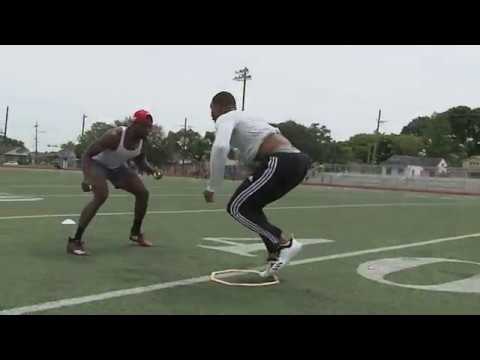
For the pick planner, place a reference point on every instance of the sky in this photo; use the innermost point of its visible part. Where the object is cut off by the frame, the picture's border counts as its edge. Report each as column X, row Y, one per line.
column 341, row 87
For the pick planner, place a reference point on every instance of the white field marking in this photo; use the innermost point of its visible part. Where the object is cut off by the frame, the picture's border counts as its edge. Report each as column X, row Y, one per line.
column 199, row 187
column 19, row 199
column 41, row 186
column 199, row 211
column 238, row 247
column 377, row 270
column 439, row 196
column 201, row 279
column 4, row 197
column 313, row 187
column 126, row 195
column 418, row 196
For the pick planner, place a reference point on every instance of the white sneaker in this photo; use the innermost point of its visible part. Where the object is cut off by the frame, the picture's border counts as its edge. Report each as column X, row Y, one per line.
column 286, row 254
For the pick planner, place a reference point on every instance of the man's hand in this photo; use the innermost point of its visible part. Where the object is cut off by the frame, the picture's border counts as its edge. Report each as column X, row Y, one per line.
column 208, row 195
column 86, row 187
column 157, row 174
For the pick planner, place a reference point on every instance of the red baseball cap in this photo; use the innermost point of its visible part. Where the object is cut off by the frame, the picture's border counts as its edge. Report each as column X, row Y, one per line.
column 142, row 117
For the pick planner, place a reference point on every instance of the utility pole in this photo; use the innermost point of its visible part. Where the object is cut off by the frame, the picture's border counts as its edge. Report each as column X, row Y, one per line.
column 36, row 139
column 377, row 132
column 184, row 145
column 242, row 75
column 83, row 123
column 6, row 123
column 36, row 143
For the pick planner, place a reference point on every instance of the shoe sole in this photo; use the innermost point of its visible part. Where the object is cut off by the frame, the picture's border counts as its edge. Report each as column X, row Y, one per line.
column 77, row 253
column 141, row 243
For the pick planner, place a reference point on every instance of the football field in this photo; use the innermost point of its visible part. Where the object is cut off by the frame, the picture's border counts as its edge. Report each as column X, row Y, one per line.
column 366, row 251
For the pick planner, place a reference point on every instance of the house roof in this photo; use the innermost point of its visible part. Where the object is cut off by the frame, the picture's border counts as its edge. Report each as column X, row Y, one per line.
column 19, row 151
column 412, row 160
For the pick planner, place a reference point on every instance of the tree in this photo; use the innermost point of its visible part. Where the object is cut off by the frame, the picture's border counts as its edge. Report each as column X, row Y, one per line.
column 441, row 142
column 200, row 149
column 7, row 144
column 416, row 126
column 155, row 149
column 453, row 134
column 410, row 145
column 339, row 153
column 94, row 133
column 362, row 147
column 314, row 140
column 68, row 146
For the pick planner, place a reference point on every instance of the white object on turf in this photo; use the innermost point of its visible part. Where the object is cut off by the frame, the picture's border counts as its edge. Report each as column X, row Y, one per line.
column 286, row 254
column 231, row 272
column 68, row 222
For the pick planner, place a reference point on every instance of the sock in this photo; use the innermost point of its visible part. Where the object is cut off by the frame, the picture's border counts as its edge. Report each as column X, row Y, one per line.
column 137, row 224
column 79, row 233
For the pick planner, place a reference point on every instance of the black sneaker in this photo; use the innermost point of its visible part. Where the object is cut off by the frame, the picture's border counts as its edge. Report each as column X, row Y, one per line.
column 75, row 247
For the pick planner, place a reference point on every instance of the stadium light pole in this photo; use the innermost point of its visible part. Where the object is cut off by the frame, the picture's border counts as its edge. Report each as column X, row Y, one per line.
column 36, row 142
column 377, row 131
column 36, row 139
column 183, row 144
column 243, row 75
column 83, row 123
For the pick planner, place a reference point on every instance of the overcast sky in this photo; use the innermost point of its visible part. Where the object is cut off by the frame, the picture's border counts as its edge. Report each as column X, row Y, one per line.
column 341, row 87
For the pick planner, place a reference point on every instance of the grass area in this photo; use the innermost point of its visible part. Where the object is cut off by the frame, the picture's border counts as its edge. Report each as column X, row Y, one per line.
column 38, row 270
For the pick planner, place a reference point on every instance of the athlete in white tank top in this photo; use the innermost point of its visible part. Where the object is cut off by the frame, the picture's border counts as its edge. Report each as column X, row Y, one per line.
column 113, row 159
column 104, row 160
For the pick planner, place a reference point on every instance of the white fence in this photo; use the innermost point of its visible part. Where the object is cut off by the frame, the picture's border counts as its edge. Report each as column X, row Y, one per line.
column 456, row 180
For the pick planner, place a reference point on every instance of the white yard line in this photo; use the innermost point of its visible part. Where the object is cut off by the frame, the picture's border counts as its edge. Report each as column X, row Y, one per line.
column 12, row 199
column 199, row 211
column 202, row 279
column 197, row 195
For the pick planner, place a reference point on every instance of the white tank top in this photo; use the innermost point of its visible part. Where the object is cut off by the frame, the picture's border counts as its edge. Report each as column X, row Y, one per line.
column 113, row 159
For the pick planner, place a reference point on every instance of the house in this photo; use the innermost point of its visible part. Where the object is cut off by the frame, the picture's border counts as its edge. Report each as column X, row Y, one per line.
column 472, row 166
column 19, row 155
column 411, row 166
column 472, row 163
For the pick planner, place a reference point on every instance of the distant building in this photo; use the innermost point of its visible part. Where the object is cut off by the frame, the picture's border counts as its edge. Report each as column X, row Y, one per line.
column 472, row 166
column 472, row 163
column 19, row 155
column 412, row 166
